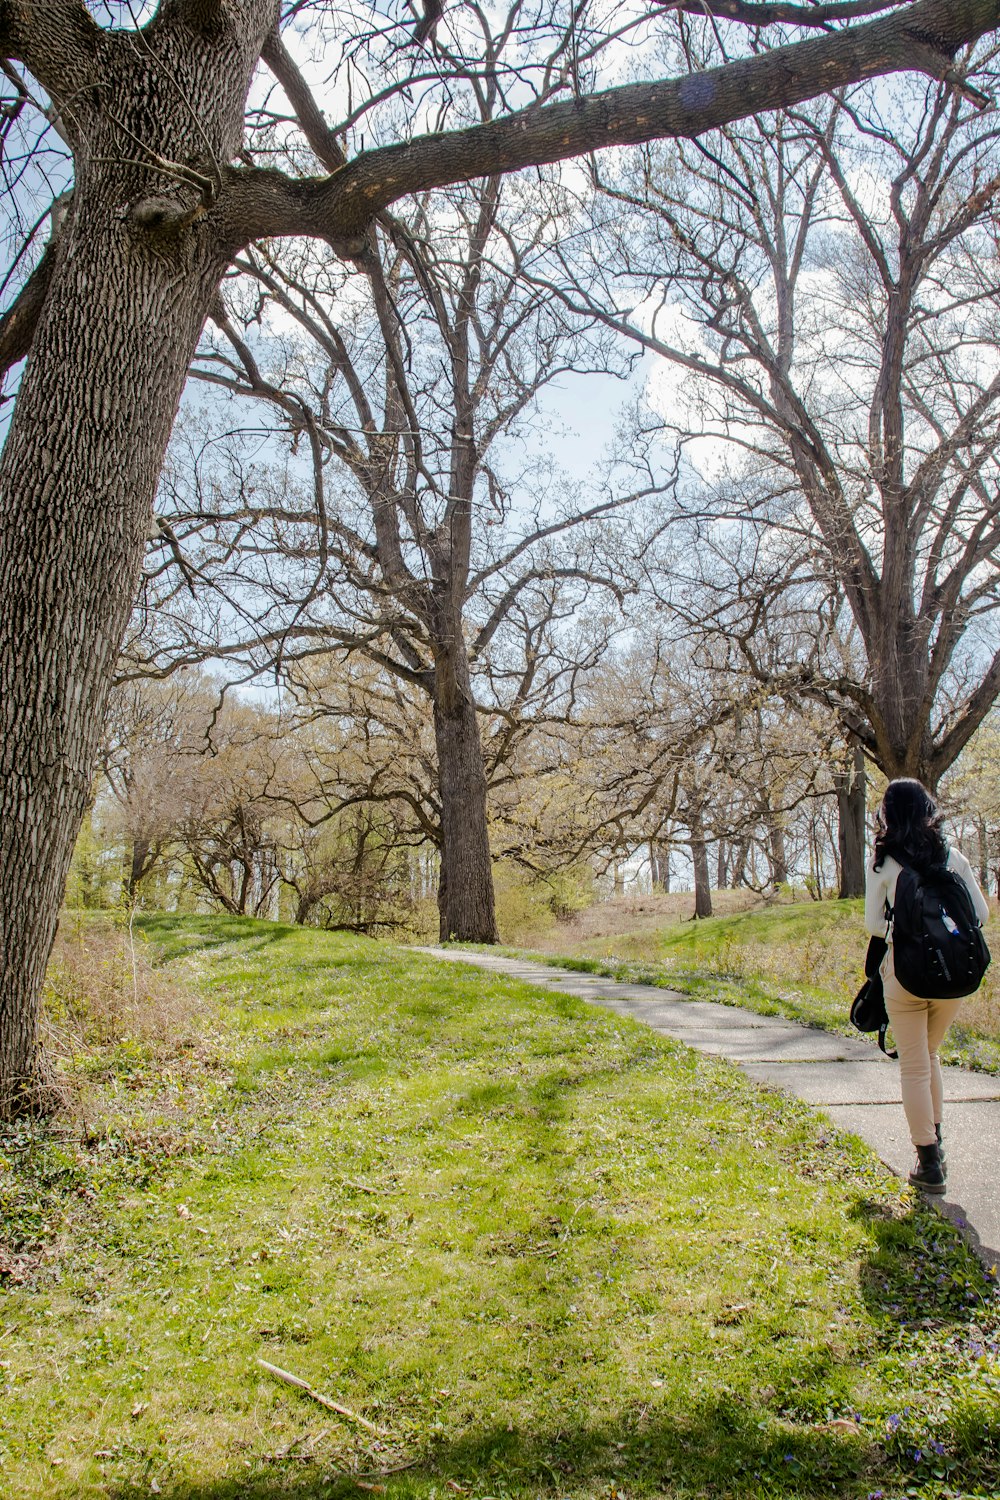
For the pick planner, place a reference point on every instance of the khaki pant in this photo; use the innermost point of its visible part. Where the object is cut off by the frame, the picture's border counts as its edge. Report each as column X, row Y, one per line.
column 918, row 1028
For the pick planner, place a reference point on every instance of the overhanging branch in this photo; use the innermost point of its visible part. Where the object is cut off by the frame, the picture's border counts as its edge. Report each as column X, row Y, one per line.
column 749, row 14
column 923, row 37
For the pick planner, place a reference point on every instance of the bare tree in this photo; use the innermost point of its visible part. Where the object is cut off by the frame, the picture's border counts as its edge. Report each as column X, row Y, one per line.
column 408, row 384
column 827, row 281
column 152, row 734
column 685, row 753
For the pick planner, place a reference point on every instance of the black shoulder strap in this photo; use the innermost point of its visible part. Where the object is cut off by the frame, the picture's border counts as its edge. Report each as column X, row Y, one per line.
column 881, row 1038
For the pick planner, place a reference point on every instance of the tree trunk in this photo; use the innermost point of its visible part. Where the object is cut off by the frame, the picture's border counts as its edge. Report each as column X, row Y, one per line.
column 815, row 861
column 738, row 868
column 851, row 809
column 659, row 864
column 465, row 892
column 131, row 285
column 722, row 865
column 139, row 865
column 305, row 905
column 699, row 858
column 902, row 690
column 76, row 490
column 776, row 848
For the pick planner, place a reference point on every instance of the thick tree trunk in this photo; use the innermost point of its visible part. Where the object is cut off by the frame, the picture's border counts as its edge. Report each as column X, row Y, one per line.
column 902, row 690
column 76, row 489
column 699, row 858
column 851, row 808
column 130, row 289
column 465, row 894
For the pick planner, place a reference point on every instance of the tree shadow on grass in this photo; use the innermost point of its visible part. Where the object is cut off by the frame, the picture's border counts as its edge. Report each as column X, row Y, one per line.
column 180, row 936
column 716, row 1450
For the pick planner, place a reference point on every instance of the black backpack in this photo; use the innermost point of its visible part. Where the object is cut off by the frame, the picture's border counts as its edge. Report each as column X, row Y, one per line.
column 868, row 1012
column 939, row 951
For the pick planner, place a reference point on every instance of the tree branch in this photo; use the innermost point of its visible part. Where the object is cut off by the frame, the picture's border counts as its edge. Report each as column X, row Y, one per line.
column 922, row 37
column 782, row 14
column 57, row 40
column 317, row 132
column 18, row 324
column 977, row 707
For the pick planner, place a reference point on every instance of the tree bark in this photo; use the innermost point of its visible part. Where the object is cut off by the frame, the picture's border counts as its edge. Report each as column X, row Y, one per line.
column 924, row 36
column 738, row 866
column 699, row 858
column 139, row 865
column 465, row 892
column 722, row 863
column 851, row 808
column 76, row 494
column 128, row 295
column 815, row 861
column 778, row 856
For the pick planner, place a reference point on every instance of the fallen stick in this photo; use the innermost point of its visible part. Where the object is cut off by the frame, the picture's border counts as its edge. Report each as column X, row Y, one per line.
column 303, row 1385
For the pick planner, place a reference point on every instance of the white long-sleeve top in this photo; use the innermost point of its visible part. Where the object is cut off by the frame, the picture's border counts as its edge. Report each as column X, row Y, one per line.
column 880, row 887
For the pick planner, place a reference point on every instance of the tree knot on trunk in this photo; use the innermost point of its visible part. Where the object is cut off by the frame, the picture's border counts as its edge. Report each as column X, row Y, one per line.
column 163, row 214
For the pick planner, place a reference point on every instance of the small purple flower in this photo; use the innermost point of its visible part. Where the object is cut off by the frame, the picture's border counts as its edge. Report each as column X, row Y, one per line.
column 917, row 1455
column 936, row 1447
column 893, row 1423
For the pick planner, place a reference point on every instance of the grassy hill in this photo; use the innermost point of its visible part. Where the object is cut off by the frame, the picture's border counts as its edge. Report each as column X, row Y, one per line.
column 803, row 960
column 527, row 1248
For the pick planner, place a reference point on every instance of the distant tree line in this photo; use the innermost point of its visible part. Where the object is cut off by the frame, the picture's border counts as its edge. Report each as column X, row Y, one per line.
column 209, row 800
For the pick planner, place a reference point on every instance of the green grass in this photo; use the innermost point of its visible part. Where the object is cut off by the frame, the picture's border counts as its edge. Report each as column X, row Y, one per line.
column 544, row 1251
column 803, row 961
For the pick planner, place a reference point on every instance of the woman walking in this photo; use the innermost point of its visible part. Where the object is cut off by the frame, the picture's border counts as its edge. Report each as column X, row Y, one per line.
column 909, row 837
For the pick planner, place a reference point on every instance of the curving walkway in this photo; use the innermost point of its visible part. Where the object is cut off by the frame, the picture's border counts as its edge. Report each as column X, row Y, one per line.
column 848, row 1079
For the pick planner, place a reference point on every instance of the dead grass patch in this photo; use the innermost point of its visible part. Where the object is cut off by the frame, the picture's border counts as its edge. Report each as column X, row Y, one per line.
column 102, row 990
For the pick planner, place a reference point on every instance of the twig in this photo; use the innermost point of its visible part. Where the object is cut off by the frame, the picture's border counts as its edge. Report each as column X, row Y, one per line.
column 374, row 1473
column 303, row 1385
column 306, row 1441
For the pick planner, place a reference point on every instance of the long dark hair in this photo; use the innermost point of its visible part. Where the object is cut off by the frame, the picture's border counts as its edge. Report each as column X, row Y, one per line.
column 909, row 826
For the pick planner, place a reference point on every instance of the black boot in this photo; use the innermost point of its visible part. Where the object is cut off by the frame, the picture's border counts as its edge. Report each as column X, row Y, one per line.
column 929, row 1171
column 940, row 1143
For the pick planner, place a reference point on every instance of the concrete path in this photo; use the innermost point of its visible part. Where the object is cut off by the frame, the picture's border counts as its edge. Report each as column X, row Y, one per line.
column 847, row 1078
